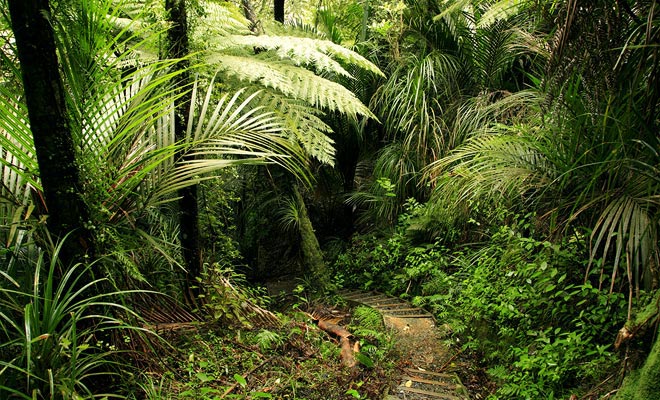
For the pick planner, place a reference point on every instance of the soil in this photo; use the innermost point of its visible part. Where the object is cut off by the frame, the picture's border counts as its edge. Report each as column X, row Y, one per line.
column 418, row 342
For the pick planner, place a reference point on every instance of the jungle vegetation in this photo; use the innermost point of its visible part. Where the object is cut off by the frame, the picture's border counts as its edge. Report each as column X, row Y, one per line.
column 496, row 162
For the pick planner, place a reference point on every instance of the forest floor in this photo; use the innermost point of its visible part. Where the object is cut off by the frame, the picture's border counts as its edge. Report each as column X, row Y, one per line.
column 297, row 360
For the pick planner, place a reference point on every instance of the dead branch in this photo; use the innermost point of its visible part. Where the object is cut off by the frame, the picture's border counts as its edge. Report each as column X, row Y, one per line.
column 349, row 346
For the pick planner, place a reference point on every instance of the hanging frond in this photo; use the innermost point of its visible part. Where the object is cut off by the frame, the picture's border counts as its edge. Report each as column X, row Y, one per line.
column 509, row 166
column 18, row 170
column 304, row 125
column 629, row 222
column 295, row 82
column 232, row 132
column 320, row 54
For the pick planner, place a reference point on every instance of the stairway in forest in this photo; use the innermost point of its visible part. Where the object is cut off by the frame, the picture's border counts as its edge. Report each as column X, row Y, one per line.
column 417, row 339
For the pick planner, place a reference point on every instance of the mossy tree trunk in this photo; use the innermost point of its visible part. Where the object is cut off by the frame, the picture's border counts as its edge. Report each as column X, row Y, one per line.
column 644, row 384
column 179, row 48
column 312, row 256
column 51, row 129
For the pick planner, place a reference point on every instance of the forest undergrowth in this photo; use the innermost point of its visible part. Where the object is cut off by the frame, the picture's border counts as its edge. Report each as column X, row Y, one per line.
column 294, row 360
column 518, row 308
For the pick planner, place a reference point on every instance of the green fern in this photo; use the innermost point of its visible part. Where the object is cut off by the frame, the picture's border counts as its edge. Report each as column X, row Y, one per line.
column 304, row 125
column 317, row 53
column 294, row 82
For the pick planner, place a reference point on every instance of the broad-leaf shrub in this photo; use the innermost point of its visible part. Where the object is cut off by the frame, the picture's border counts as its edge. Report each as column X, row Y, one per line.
column 519, row 303
column 527, row 310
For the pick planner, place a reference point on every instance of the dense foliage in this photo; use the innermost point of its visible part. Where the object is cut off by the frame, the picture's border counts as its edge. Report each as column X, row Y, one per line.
column 496, row 162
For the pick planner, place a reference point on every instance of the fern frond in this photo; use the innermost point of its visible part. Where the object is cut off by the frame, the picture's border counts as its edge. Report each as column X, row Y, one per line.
column 307, row 51
column 295, row 82
column 304, row 125
column 501, row 10
column 221, row 20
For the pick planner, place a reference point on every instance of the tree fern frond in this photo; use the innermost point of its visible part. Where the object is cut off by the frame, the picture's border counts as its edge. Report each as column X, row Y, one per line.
column 295, row 82
column 304, row 125
column 307, row 51
column 221, row 20
column 501, row 10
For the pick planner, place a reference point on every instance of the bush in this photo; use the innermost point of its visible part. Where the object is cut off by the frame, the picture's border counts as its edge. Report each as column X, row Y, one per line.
column 521, row 304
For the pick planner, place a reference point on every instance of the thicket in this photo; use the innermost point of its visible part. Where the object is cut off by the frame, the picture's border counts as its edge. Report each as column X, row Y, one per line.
column 518, row 303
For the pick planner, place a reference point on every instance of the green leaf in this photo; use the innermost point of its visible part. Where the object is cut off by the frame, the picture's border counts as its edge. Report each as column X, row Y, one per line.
column 240, row 379
column 364, row 360
column 203, row 377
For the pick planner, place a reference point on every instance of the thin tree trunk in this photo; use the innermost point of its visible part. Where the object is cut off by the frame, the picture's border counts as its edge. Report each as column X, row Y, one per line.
column 278, row 10
column 251, row 15
column 50, row 126
column 188, row 204
column 312, row 254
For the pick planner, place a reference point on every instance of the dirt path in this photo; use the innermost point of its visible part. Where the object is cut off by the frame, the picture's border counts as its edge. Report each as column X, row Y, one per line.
column 418, row 342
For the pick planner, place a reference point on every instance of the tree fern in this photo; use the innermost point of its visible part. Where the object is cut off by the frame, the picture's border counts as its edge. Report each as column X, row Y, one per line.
column 294, row 82
column 319, row 54
column 303, row 124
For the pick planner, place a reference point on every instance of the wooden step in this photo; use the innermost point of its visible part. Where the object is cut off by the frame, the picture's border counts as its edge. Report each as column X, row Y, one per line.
column 430, row 373
column 432, row 382
column 429, row 393
column 356, row 295
column 398, row 310
column 388, row 303
column 404, row 316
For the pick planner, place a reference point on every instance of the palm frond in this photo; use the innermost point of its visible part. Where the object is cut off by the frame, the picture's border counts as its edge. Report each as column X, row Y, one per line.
column 629, row 222
column 232, row 133
column 413, row 100
column 509, row 166
column 18, row 170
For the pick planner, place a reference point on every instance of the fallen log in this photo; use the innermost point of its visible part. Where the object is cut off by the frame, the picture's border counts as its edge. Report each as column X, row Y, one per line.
column 334, row 329
column 349, row 346
column 347, row 353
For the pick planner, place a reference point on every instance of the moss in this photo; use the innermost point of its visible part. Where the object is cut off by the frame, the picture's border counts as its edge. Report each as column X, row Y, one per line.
column 644, row 384
column 313, row 257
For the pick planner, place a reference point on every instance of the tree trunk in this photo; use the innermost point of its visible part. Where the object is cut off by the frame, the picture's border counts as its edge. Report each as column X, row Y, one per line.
column 278, row 10
column 251, row 15
column 312, row 255
column 188, row 204
column 644, row 384
column 50, row 126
